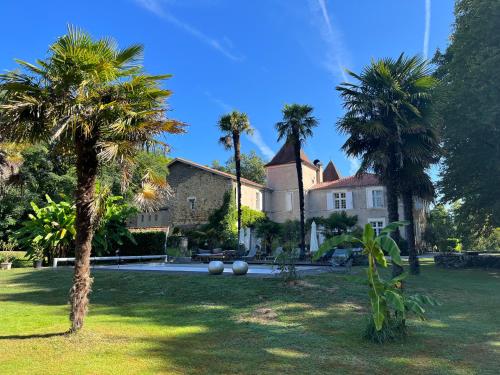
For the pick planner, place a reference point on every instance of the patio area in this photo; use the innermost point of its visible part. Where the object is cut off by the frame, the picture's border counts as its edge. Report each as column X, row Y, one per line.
column 201, row 268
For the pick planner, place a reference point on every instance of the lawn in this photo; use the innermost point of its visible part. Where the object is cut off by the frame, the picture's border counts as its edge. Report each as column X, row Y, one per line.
column 155, row 323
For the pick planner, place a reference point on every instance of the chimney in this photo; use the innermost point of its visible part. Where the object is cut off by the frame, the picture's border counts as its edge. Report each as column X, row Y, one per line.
column 319, row 171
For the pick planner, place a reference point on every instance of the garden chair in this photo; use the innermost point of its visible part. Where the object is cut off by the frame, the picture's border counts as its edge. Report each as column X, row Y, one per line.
column 250, row 255
column 275, row 253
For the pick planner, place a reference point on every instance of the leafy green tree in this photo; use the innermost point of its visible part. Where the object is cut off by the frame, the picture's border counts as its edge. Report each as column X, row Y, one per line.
column 469, row 112
column 268, row 230
column 297, row 125
column 252, row 167
column 335, row 224
column 440, row 227
column 92, row 100
column 388, row 122
column 232, row 126
column 39, row 172
column 389, row 304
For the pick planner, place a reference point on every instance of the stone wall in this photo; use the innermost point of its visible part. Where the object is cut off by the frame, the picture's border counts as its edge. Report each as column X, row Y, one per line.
column 452, row 260
column 188, row 182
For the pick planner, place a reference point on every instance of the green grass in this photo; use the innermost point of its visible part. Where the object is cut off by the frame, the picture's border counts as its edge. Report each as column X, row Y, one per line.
column 152, row 323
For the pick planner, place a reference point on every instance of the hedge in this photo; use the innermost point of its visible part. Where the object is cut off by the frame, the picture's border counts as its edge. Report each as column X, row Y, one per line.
column 467, row 261
column 147, row 243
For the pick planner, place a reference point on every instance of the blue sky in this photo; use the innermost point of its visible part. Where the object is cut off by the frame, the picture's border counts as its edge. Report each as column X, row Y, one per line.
column 253, row 56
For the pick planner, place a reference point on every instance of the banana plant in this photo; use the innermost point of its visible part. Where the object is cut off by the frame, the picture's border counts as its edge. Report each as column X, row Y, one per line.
column 386, row 297
column 51, row 228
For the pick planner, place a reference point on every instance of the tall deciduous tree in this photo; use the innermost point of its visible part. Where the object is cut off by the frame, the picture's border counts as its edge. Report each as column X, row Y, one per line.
column 470, row 112
column 252, row 167
column 233, row 125
column 297, row 125
column 93, row 99
column 387, row 121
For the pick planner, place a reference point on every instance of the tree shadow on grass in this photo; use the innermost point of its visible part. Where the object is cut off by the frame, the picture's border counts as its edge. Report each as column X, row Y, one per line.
column 200, row 324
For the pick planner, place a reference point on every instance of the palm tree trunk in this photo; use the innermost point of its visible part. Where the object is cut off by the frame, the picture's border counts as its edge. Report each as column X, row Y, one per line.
column 86, row 169
column 298, row 165
column 410, row 232
column 237, row 162
column 393, row 213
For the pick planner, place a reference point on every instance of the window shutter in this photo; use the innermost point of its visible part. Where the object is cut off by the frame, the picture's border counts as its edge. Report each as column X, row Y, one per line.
column 369, row 198
column 348, row 200
column 329, row 201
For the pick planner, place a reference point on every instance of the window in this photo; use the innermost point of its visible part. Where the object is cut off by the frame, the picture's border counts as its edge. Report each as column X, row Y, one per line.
column 289, row 201
column 377, row 198
column 377, row 224
column 340, row 201
column 192, row 203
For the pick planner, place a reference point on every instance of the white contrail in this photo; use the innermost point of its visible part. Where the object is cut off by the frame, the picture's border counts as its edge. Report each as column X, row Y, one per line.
column 335, row 51
column 255, row 138
column 427, row 32
column 155, row 7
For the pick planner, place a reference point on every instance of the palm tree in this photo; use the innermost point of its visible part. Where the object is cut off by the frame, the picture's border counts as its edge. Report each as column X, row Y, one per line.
column 296, row 127
column 385, row 110
column 233, row 125
column 94, row 100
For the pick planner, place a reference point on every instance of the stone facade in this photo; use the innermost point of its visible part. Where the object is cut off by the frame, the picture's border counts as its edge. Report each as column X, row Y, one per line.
column 199, row 190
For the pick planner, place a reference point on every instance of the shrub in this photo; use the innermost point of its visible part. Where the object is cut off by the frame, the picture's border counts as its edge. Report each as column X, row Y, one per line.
column 389, row 304
column 286, row 265
column 50, row 228
column 146, row 243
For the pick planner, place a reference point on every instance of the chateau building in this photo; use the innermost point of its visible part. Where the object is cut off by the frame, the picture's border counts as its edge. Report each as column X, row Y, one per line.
column 199, row 190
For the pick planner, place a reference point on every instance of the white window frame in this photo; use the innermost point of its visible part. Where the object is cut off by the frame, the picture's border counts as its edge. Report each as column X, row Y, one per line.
column 375, row 201
column 370, row 198
column 192, row 203
column 377, row 220
column 331, row 200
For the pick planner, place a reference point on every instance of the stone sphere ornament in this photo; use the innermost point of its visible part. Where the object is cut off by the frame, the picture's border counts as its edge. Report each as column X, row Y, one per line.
column 215, row 267
column 240, row 267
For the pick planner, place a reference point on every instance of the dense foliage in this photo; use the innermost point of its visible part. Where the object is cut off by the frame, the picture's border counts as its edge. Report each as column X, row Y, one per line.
column 40, row 172
column 335, row 224
column 470, row 115
column 50, row 230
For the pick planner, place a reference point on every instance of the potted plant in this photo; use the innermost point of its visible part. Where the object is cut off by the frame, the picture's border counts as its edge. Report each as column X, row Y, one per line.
column 37, row 255
column 6, row 255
